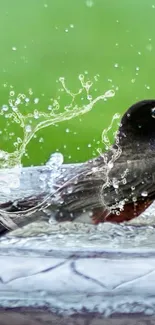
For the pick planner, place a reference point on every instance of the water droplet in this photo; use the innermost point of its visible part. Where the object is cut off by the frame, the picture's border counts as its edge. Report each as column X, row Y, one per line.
column 71, row 26
column 19, row 140
column 27, row 100
column 69, row 190
column 89, row 3
column 81, row 77
column 67, row 130
column 61, row 79
column 124, row 181
column 14, row 108
column 115, row 183
column 110, row 93
column 134, row 199
column 144, row 193
column 66, row 30
column 18, row 101
column 149, row 47
column 28, row 128
column 89, row 145
column 110, row 164
column 12, row 93
column 5, row 108
column 116, row 65
column 45, row 5
column 153, row 112
column 36, row 100
column 78, row 148
column 14, row 48
column 41, row 140
column 30, row 91
column 89, row 97
column 132, row 188
column 55, row 161
column 36, row 114
column 137, row 68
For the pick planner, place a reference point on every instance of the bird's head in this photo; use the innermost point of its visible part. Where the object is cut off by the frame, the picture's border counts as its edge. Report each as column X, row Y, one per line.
column 138, row 125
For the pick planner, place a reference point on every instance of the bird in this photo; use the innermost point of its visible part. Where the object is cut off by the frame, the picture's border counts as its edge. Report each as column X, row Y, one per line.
column 115, row 187
column 119, row 184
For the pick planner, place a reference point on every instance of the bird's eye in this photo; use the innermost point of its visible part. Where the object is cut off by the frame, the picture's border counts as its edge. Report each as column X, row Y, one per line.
column 153, row 112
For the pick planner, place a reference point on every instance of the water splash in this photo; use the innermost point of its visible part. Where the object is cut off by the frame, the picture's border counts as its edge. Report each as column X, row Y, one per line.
column 105, row 136
column 36, row 120
column 109, row 163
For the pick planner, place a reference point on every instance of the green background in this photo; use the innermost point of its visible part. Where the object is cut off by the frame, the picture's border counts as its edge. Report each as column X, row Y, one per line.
column 42, row 40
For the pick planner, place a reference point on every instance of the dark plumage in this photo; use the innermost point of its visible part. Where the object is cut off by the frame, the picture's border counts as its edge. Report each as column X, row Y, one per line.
column 120, row 184
column 116, row 186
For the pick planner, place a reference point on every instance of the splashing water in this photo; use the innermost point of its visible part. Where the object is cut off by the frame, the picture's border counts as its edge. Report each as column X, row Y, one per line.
column 105, row 138
column 36, row 120
column 116, row 152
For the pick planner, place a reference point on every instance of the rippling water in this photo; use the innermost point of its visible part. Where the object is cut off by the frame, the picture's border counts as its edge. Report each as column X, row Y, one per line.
column 66, row 267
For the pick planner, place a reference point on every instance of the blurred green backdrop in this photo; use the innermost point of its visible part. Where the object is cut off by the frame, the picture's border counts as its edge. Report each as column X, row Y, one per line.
column 43, row 40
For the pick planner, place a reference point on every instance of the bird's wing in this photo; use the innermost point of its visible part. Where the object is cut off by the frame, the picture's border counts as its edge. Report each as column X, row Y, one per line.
column 125, row 183
column 130, row 181
column 83, row 188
